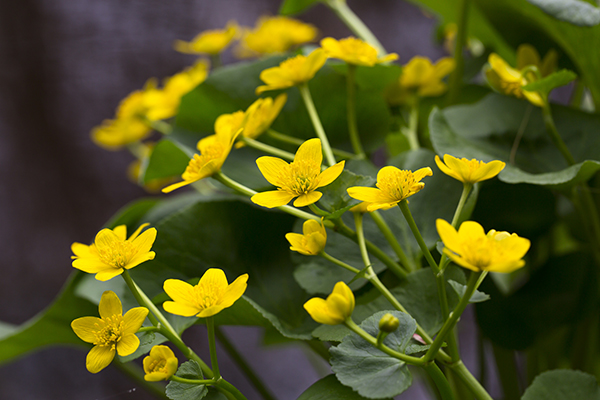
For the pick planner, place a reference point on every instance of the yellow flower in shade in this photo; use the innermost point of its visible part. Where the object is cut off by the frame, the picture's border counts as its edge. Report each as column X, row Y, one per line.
column 300, row 178
column 393, row 186
column 114, row 134
column 213, row 149
column 354, row 51
column 469, row 171
column 471, row 248
column 209, row 42
column 211, row 295
column 275, row 35
column 425, row 78
column 312, row 241
column 293, row 71
column 112, row 253
column 336, row 309
column 527, row 56
column 112, row 332
column 260, row 115
column 507, row 80
column 160, row 364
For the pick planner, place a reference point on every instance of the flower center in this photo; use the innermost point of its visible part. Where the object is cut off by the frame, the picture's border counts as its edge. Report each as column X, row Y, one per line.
column 111, row 333
column 512, row 88
column 398, row 185
column 157, row 365
column 207, row 296
column 118, row 255
column 212, row 152
column 478, row 251
column 299, row 177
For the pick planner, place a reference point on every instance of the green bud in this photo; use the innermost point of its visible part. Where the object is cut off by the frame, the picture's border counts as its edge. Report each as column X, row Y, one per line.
column 388, row 323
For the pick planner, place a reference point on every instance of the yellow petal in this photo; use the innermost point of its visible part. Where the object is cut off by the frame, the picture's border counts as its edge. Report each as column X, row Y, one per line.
column 319, row 311
column 106, row 239
column 210, row 311
column 99, row 358
column 488, row 171
column 461, row 261
column 86, row 327
column 445, row 169
column 310, row 151
column 549, row 63
column 180, row 309
column 339, row 306
column 534, row 98
column 421, row 173
column 297, row 243
column 314, row 62
column 140, row 258
column 214, row 278
column 108, row 274
column 271, row 168
column 311, row 226
column 471, row 229
column 133, row 319
column 128, row 344
column 234, row 291
column 143, row 243
column 315, row 243
column 90, row 265
column 174, row 186
column 527, row 55
column 331, row 174
column 443, row 67
column 81, row 250
column 448, row 235
column 368, row 194
column 343, row 290
column 271, row 199
column 307, row 199
column 137, row 231
column 109, row 305
column 506, row 267
column 121, row 232
column 179, row 291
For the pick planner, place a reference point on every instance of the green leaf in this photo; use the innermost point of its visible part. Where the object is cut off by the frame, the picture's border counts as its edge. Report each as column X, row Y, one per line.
column 291, row 7
column 576, row 12
column 563, row 385
column 184, row 391
column 460, row 289
column 165, row 161
column 329, row 388
column 379, row 375
column 552, row 81
column 335, row 195
column 487, row 129
column 131, row 214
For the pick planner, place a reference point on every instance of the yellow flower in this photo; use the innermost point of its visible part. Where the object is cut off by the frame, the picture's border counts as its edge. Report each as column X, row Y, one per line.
column 471, row 248
column 109, row 333
column 112, row 253
column 114, row 134
column 300, row 178
column 313, row 238
column 336, row 309
column 209, row 42
column 275, row 35
column 361, row 208
column 260, row 115
column 211, row 295
column 507, row 80
column 469, row 171
column 394, row 185
column 213, row 149
column 292, row 72
column 527, row 55
column 354, row 51
column 425, row 78
column 160, row 364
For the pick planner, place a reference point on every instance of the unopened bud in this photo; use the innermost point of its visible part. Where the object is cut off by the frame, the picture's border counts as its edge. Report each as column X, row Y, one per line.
column 388, row 323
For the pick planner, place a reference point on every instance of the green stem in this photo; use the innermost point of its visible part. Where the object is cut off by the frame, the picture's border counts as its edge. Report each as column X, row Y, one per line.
column 339, row 262
column 148, row 329
column 468, row 379
column 373, row 341
column 415, row 230
column 412, row 133
column 455, row 80
column 136, row 374
column 461, row 204
column 391, row 239
column 192, row 381
column 266, row 148
column 358, row 217
column 314, row 117
column 212, row 344
column 297, row 142
column 554, row 135
column 223, row 385
column 351, row 112
column 440, row 381
column 348, row 17
column 244, row 366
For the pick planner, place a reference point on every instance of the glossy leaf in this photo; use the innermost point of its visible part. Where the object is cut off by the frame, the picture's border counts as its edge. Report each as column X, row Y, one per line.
column 476, row 297
column 576, row 12
column 563, row 385
column 184, row 391
column 552, row 81
column 329, row 388
column 165, row 161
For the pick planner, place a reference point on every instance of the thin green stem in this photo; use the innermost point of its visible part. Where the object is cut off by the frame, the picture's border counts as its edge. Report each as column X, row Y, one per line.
column 455, row 80
column 314, row 117
column 415, row 230
column 243, row 364
column 148, row 329
column 391, row 239
column 373, row 341
column 266, row 148
column 339, row 262
column 468, row 379
column 223, row 385
column 137, row 375
column 348, row 17
column 444, row 261
column 412, row 132
column 358, row 217
column 554, row 135
column 192, row 381
column 440, row 381
column 297, row 142
column 351, row 112
column 212, row 344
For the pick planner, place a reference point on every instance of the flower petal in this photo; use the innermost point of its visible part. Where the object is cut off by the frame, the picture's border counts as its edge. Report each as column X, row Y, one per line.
column 488, row 171
column 143, row 243
column 99, row 358
column 297, row 243
column 179, row 291
column 121, row 232
column 106, row 239
column 234, row 291
column 184, row 310
column 128, row 344
column 86, row 327
column 214, row 278
column 108, row 274
column 133, row 319
column 448, row 235
column 177, row 185
column 369, row 194
column 271, row 168
column 331, row 174
column 445, row 169
column 319, row 311
column 307, row 198
column 137, row 231
column 310, row 152
column 82, row 250
column 90, row 265
column 140, row 258
column 109, row 305
column 273, row 198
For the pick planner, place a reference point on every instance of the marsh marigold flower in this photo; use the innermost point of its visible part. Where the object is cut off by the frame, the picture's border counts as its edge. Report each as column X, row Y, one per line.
column 292, row 72
column 300, row 178
column 160, row 364
column 313, row 238
column 260, row 115
column 213, row 149
column 209, row 42
column 275, row 35
column 354, row 51
column 471, row 248
column 393, row 186
column 469, row 171
column 112, row 332
column 527, row 56
column 424, row 78
column 211, row 295
column 112, row 253
column 507, row 80
column 334, row 310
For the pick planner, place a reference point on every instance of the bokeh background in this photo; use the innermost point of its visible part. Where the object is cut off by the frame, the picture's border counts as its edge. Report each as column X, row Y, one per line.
column 64, row 67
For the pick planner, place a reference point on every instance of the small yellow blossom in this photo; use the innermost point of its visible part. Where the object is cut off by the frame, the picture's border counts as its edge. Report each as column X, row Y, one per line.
column 260, row 115
column 527, row 56
column 393, row 186
column 112, row 332
column 209, row 42
column 425, row 78
column 471, row 248
column 114, row 134
column 300, row 178
column 507, row 80
column 313, row 238
column 160, row 364
column 469, row 171
column 354, row 51
column 213, row 149
column 336, row 309
column 112, row 253
column 275, row 35
column 292, row 72
column 211, row 295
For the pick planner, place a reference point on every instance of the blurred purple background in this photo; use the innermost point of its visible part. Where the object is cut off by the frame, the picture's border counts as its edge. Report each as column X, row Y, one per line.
column 64, row 67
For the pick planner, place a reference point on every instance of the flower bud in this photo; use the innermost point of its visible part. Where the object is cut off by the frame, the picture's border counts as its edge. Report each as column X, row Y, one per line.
column 388, row 323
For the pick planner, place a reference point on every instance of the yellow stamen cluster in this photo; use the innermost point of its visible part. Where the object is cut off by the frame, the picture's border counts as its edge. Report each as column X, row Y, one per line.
column 110, row 334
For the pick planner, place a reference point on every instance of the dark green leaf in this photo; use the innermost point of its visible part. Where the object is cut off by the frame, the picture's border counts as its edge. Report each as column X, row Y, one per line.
column 563, row 385
column 335, row 195
column 165, row 161
column 460, row 289
column 379, row 375
column 329, row 388
column 291, row 7
column 576, row 12
column 184, row 391
column 552, row 81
